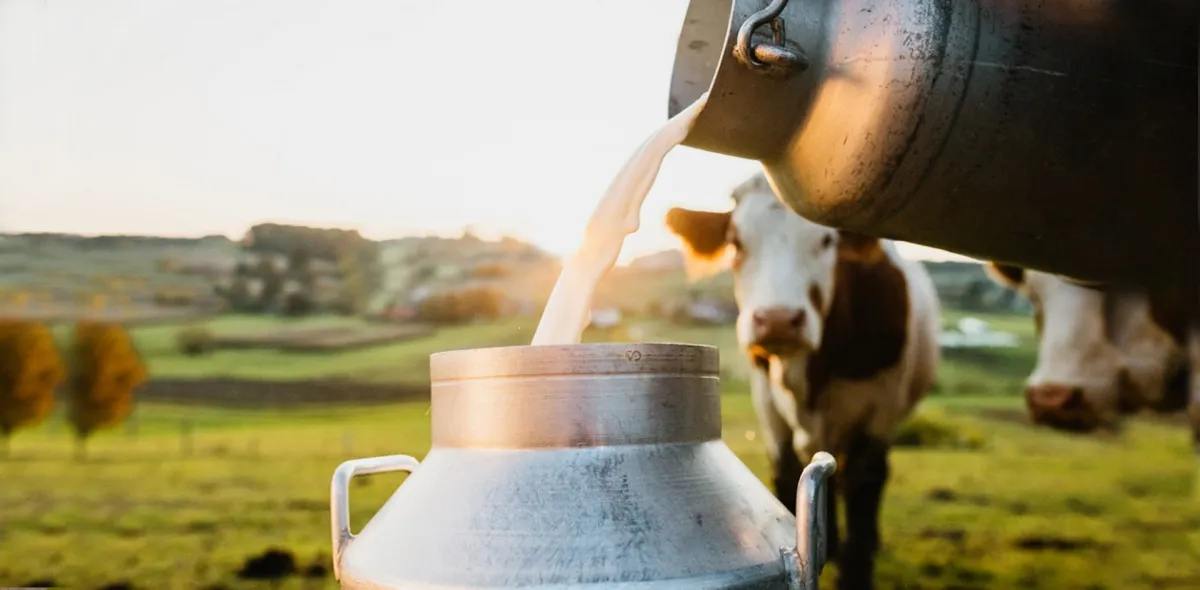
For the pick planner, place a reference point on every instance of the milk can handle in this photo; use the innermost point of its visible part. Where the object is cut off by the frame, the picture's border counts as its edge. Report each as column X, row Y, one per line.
column 811, row 505
column 767, row 57
column 339, row 496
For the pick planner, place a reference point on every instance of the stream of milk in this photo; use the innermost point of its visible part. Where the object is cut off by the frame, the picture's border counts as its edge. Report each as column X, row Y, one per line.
column 615, row 217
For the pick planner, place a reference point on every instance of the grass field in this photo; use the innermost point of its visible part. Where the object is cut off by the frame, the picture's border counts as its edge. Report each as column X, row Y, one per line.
column 1031, row 509
column 402, row 362
column 973, row 372
column 160, row 509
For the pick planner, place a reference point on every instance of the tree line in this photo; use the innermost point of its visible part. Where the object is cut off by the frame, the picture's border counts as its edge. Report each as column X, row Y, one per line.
column 353, row 257
column 101, row 370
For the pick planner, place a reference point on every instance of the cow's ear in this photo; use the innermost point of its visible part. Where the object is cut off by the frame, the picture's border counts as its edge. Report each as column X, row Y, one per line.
column 1006, row 274
column 705, row 236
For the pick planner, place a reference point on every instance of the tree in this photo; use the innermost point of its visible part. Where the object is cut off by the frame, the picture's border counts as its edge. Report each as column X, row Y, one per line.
column 105, row 369
column 355, row 257
column 272, row 284
column 355, row 269
column 973, row 296
column 297, row 304
column 480, row 303
column 320, row 243
column 237, row 294
column 461, row 306
column 440, row 308
column 30, row 369
column 299, row 268
column 196, row 341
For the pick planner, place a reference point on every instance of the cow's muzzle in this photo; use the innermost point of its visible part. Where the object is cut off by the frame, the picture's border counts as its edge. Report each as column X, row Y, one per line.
column 1061, row 406
column 778, row 330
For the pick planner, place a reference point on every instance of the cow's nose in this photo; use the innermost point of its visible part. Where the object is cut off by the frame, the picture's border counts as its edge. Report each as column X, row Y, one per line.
column 1051, row 396
column 778, row 329
column 1060, row 405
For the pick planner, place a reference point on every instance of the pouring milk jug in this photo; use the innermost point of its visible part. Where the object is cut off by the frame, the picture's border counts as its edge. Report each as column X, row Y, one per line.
column 991, row 129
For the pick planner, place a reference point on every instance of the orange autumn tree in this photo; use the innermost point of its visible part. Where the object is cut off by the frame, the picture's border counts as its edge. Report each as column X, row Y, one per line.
column 30, row 369
column 105, row 371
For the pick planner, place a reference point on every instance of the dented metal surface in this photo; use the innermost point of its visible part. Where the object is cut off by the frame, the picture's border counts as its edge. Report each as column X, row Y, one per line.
column 582, row 466
column 1059, row 136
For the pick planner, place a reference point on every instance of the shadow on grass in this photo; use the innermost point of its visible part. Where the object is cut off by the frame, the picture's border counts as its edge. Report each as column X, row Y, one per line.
column 999, row 363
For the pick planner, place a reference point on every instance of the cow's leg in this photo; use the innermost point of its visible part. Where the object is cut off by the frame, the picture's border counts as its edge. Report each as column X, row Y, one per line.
column 777, row 436
column 832, row 539
column 786, row 476
column 863, row 481
column 1194, row 382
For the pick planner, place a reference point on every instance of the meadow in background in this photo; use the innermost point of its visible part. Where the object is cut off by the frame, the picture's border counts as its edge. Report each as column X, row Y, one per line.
column 219, row 477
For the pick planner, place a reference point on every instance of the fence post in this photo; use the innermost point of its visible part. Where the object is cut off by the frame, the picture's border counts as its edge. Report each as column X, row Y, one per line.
column 185, row 437
column 131, row 424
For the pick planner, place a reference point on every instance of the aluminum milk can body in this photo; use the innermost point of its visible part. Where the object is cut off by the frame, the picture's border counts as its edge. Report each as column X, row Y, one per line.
column 1056, row 135
column 584, row 466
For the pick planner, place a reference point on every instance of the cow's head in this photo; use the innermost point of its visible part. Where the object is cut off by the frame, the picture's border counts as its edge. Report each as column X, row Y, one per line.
column 1101, row 352
column 783, row 266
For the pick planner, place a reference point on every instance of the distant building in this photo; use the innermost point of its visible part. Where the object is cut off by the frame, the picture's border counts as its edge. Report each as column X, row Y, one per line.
column 609, row 317
column 400, row 313
column 710, row 312
column 974, row 333
column 420, row 294
column 972, row 326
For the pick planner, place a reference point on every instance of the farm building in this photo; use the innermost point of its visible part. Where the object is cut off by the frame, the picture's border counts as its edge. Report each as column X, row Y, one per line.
column 604, row 318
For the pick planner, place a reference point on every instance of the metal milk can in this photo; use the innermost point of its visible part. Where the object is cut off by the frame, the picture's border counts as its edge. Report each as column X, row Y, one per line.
column 583, row 466
column 1055, row 135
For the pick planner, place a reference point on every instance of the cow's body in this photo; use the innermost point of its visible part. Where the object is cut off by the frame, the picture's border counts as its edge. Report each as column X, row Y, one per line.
column 1107, row 351
column 872, row 398
column 841, row 333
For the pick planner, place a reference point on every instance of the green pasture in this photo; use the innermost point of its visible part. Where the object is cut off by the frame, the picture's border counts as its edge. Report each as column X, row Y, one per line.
column 967, row 372
column 161, row 508
column 1029, row 509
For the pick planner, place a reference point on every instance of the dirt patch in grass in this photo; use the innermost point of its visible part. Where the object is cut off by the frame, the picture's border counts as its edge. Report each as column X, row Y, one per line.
column 272, row 564
column 1055, row 543
column 955, row 536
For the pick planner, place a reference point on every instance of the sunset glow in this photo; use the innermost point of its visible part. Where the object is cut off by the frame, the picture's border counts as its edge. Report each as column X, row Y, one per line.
column 128, row 118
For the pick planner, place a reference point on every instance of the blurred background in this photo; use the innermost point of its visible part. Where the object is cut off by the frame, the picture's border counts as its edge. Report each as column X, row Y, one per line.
column 234, row 232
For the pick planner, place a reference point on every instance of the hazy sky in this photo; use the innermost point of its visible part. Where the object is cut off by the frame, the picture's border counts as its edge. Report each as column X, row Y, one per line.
column 190, row 117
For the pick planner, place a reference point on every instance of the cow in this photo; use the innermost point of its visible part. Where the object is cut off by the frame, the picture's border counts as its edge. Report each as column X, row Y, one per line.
column 1106, row 351
column 841, row 335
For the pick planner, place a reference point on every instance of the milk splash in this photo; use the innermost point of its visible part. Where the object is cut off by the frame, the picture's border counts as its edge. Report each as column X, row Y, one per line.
column 616, row 216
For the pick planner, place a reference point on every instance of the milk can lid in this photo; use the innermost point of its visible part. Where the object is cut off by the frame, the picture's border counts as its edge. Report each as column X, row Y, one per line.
column 615, row 358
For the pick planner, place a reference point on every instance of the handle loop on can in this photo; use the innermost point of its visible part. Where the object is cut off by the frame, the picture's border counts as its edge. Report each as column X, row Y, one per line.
column 339, row 496
column 811, row 508
column 774, row 58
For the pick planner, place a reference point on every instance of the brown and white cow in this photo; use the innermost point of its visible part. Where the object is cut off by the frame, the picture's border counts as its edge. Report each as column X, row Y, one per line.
column 1106, row 351
column 841, row 333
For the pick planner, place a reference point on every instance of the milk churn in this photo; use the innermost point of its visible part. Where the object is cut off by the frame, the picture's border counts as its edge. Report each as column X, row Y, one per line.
column 583, row 466
column 1056, row 135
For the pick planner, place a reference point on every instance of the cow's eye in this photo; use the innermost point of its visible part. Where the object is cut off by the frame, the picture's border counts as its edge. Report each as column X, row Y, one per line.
column 826, row 241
